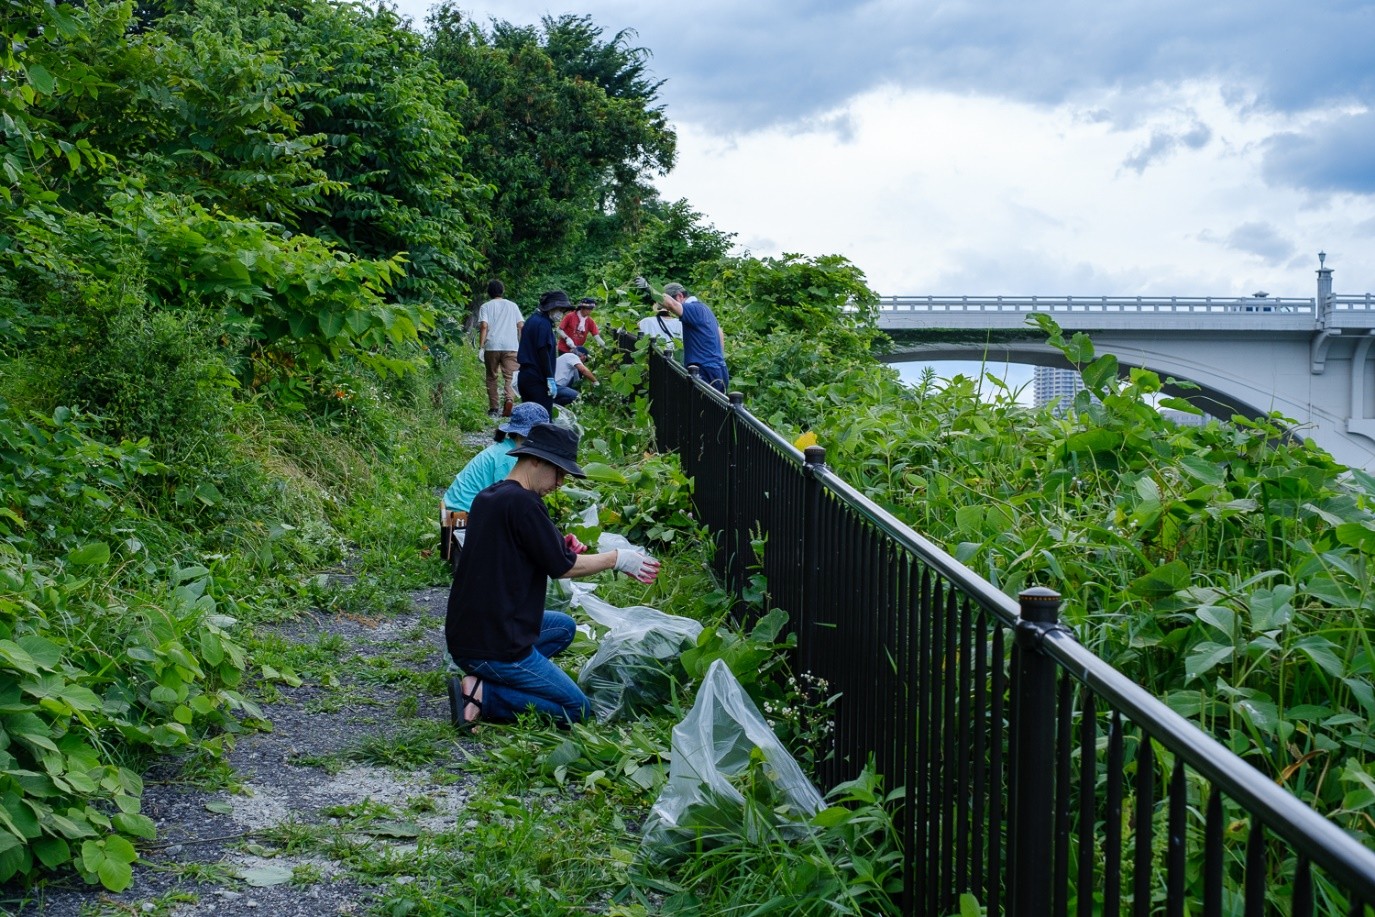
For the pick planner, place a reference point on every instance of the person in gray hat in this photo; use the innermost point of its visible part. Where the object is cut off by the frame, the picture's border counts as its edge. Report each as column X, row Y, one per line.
column 539, row 350
column 704, row 344
column 496, row 627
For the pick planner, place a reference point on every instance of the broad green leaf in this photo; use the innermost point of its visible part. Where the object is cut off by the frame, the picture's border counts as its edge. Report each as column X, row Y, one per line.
column 1359, row 535
column 52, row 851
column 770, row 626
column 1321, row 650
column 1221, row 617
column 221, row 808
column 1100, row 372
column 92, row 553
column 137, row 825
column 44, row 653
column 1095, row 440
column 1163, row 580
column 1262, row 714
column 14, row 655
column 1270, row 608
column 80, row 698
column 41, row 79
column 600, row 471
column 331, row 323
column 115, row 875
column 1204, row 657
column 832, row 816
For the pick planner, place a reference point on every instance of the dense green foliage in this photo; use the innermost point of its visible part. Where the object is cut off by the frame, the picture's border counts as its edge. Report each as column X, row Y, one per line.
column 562, row 128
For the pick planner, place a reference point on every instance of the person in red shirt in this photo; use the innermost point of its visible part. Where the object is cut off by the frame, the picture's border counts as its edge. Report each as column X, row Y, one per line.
column 577, row 326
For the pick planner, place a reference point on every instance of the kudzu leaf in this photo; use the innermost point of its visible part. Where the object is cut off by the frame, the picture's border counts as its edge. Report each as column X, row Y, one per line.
column 115, row 875
column 52, row 851
column 90, row 554
column 222, row 808
column 137, row 825
column 15, row 655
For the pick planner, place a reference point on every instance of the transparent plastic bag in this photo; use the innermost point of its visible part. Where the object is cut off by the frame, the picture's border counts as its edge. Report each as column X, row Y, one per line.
column 713, row 749
column 563, row 417
column 636, row 663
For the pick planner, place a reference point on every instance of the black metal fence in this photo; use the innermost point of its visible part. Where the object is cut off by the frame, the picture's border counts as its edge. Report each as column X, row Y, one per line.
column 1036, row 777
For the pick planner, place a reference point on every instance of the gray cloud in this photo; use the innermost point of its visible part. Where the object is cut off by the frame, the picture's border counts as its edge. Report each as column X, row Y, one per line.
column 772, row 61
column 1337, row 156
column 734, row 66
column 1262, row 240
column 1162, row 143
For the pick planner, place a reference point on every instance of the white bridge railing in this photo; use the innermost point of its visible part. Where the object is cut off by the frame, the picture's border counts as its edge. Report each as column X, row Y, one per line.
column 1190, row 305
column 1123, row 304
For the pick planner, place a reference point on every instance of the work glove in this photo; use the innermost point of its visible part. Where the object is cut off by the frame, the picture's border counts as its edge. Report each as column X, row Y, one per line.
column 635, row 564
column 641, row 284
column 553, row 387
column 574, row 545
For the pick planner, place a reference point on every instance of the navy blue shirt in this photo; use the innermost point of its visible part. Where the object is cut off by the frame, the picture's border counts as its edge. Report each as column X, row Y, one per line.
column 538, row 348
column 701, row 335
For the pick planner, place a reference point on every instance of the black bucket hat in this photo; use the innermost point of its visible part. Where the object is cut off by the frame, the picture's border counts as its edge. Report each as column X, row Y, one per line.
column 554, row 299
column 556, row 445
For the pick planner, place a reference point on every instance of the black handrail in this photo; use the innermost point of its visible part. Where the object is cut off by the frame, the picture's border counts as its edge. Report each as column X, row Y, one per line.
column 980, row 706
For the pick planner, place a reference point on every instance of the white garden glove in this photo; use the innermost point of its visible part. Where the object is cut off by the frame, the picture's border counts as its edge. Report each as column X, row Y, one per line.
column 553, row 387
column 633, row 563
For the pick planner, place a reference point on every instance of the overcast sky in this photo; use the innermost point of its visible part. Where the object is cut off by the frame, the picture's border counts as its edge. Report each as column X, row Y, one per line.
column 1027, row 147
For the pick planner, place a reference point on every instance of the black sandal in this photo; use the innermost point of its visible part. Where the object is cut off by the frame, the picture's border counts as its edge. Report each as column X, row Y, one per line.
column 459, row 700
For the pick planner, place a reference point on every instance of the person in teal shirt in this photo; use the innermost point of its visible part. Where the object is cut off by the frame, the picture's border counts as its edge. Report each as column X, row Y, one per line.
column 495, row 462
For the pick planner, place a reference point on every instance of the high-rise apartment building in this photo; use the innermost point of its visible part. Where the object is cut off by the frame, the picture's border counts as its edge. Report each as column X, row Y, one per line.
column 1049, row 383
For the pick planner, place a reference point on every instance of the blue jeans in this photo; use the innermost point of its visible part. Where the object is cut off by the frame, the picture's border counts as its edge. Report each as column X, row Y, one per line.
column 511, row 688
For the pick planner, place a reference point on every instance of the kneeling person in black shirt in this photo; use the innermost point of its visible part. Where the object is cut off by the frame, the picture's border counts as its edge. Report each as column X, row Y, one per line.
column 497, row 628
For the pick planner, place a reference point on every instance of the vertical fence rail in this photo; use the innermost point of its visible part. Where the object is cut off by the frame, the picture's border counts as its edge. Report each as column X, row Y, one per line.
column 1033, row 776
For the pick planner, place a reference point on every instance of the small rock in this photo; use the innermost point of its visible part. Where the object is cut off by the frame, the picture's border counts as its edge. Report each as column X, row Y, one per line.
column 173, row 850
column 226, row 893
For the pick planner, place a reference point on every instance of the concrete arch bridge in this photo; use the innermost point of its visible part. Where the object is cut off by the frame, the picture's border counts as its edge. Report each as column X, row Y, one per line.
column 1309, row 359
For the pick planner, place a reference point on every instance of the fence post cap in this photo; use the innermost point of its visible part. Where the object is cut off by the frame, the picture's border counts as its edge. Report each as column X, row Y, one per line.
column 814, row 455
column 1040, row 605
column 736, row 398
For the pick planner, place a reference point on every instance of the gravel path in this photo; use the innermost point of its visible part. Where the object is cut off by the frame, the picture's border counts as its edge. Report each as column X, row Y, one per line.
column 230, row 852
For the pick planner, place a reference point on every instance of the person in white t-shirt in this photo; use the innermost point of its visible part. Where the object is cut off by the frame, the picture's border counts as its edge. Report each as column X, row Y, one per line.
column 569, row 371
column 665, row 326
column 498, row 335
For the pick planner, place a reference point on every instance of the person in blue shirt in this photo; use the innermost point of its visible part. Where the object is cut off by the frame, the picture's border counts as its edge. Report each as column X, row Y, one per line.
column 539, row 350
column 495, row 462
column 704, row 344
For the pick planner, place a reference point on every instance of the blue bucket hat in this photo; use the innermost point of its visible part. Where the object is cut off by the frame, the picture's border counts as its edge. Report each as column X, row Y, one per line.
column 524, row 416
